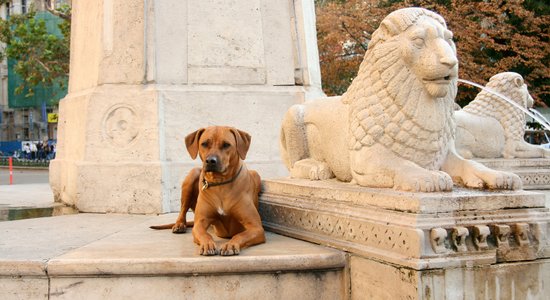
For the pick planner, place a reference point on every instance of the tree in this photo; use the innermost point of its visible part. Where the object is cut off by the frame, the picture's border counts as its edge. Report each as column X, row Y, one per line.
column 42, row 58
column 491, row 37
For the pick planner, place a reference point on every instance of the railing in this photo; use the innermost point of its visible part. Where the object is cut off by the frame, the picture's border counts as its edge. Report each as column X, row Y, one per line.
column 17, row 162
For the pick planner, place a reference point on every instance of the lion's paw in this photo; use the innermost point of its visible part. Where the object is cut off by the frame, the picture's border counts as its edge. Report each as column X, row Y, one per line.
column 492, row 179
column 311, row 169
column 320, row 172
column 424, row 181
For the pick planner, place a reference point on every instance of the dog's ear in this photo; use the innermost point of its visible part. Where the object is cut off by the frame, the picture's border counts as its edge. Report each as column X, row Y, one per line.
column 243, row 142
column 192, row 142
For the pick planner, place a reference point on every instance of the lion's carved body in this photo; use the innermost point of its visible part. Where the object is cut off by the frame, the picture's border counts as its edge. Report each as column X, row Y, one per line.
column 505, row 122
column 394, row 126
column 399, row 115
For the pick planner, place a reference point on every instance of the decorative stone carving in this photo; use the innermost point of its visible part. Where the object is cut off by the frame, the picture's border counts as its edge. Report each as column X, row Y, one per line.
column 394, row 126
column 416, row 230
column 458, row 238
column 437, row 239
column 481, row 232
column 502, row 232
column 521, row 233
column 120, row 125
column 490, row 127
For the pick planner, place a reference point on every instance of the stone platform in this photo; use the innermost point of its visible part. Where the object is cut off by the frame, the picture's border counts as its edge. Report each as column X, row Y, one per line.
column 460, row 244
column 534, row 172
column 108, row 256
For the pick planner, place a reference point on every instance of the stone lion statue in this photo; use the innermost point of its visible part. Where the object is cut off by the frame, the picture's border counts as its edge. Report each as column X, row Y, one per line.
column 490, row 127
column 394, row 126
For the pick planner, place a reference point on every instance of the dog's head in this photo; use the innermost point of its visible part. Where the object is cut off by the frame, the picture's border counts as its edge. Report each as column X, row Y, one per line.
column 218, row 147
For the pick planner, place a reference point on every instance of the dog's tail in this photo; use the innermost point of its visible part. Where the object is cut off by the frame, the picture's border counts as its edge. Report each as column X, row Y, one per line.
column 169, row 226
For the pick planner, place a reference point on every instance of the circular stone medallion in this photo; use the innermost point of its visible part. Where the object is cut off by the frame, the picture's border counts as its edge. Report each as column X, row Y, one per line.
column 120, row 125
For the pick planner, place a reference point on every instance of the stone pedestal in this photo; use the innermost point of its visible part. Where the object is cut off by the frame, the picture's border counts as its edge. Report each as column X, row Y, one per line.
column 460, row 244
column 146, row 73
column 534, row 172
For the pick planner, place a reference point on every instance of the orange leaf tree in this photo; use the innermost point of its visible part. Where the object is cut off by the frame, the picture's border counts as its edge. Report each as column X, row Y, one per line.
column 491, row 37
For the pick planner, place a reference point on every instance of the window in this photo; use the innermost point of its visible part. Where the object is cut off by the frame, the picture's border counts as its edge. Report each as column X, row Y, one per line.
column 23, row 6
column 8, row 10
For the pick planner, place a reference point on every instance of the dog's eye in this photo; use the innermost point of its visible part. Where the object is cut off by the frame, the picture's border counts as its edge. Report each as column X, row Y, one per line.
column 225, row 145
column 204, row 144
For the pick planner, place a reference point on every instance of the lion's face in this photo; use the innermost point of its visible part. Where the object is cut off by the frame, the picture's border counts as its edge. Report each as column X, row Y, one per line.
column 524, row 93
column 429, row 52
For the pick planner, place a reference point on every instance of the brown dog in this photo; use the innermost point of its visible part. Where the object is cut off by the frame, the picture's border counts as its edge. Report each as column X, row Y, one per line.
column 223, row 193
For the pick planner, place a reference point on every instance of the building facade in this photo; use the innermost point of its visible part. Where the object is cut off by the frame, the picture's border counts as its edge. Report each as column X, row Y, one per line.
column 25, row 119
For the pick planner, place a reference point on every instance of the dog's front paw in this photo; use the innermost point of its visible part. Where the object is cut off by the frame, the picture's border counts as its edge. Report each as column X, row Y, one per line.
column 208, row 249
column 179, row 228
column 230, row 248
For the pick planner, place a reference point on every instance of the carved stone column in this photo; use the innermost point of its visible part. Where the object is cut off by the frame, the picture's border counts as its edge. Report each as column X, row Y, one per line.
column 145, row 73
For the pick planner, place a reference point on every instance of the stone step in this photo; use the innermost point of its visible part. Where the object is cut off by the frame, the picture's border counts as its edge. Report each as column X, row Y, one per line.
column 10, row 213
column 107, row 256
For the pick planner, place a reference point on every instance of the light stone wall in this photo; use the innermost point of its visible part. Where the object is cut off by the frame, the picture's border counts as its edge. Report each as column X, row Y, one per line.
column 145, row 73
column 521, row 280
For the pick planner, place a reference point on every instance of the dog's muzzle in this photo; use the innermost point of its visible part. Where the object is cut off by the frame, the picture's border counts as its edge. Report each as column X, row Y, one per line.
column 211, row 164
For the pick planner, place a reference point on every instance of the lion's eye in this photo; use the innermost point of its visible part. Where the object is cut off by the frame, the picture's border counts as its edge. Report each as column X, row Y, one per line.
column 448, row 35
column 418, row 42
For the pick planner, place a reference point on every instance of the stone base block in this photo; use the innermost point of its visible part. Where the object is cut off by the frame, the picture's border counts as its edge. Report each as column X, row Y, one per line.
column 372, row 279
column 418, row 231
column 534, row 172
column 121, row 147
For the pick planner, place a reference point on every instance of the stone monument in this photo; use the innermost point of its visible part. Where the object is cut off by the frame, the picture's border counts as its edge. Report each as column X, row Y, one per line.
column 428, row 237
column 491, row 131
column 145, row 73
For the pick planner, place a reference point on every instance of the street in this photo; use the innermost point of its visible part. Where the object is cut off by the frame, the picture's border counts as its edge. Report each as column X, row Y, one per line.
column 23, row 176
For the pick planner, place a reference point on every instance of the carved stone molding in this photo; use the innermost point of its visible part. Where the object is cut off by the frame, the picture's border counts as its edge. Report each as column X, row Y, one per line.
column 416, row 239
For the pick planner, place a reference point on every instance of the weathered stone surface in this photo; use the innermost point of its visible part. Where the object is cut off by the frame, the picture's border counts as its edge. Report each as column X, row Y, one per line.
column 376, row 280
column 90, row 256
column 415, row 230
column 461, row 244
column 534, row 172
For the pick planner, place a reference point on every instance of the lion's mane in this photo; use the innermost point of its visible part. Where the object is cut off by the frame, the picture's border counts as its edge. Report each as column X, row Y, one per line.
column 386, row 100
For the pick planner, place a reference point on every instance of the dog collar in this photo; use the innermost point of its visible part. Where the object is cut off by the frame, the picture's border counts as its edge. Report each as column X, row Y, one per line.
column 206, row 184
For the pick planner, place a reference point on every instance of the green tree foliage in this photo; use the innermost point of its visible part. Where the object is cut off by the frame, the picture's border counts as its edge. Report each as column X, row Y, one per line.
column 42, row 58
column 491, row 37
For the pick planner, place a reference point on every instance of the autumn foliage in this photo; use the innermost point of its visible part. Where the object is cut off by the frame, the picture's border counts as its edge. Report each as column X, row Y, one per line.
column 491, row 37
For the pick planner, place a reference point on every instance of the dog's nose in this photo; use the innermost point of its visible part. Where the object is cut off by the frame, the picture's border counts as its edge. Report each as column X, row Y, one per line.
column 211, row 160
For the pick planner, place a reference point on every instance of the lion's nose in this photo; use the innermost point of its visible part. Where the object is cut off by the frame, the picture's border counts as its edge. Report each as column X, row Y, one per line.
column 450, row 61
